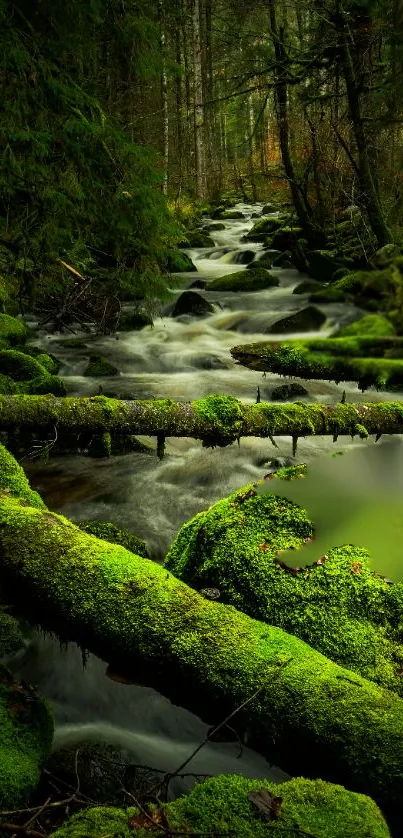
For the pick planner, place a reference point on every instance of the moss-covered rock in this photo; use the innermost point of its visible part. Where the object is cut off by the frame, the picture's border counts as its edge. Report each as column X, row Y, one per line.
column 26, row 736
column 196, row 238
column 255, row 280
column 232, row 214
column 47, row 360
column 20, row 366
column 338, row 606
column 370, row 361
column 308, row 286
column 134, row 321
column 180, row 262
column 12, row 331
column 222, row 805
column 285, row 238
column 374, row 325
column 44, row 385
column 305, row 320
column 265, row 259
column 7, row 386
column 263, row 228
column 115, row 535
column 190, row 302
column 100, row 367
column 322, row 264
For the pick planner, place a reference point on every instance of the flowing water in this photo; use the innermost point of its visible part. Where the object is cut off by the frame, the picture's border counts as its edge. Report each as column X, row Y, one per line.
column 182, row 358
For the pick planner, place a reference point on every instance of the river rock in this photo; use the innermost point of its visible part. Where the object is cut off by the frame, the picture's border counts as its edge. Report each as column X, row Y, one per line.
column 288, row 392
column 99, row 367
column 232, row 214
column 268, row 208
column 209, row 362
column 308, row 286
column 192, row 303
column 179, row 262
column 306, row 320
column 198, row 283
column 256, row 280
column 196, row 238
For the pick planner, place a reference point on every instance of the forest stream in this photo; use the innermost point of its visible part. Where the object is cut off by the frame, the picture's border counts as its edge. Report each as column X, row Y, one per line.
column 180, row 358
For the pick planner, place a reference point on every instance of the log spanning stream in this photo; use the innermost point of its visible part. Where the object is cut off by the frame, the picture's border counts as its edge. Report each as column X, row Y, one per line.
column 182, row 359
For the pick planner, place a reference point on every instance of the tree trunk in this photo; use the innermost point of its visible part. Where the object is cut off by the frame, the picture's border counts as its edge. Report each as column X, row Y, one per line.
column 198, row 103
column 164, row 94
column 369, row 190
column 217, row 420
column 302, row 208
column 308, row 714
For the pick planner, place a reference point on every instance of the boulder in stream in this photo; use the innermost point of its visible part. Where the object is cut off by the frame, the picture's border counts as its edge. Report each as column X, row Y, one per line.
column 192, row 303
column 247, row 280
column 306, row 320
column 288, row 392
column 197, row 238
column 99, row 367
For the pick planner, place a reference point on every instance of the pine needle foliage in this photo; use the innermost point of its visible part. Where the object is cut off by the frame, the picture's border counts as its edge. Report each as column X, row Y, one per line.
column 73, row 185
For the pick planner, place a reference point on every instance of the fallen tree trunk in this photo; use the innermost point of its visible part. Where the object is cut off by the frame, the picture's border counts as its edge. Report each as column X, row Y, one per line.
column 217, row 420
column 302, row 710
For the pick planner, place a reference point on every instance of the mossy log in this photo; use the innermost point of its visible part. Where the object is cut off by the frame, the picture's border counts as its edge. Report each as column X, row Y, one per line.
column 302, row 710
column 216, row 420
column 225, row 806
column 369, row 360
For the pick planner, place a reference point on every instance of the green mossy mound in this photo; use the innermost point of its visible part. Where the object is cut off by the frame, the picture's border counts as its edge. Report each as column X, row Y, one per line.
column 134, row 321
column 322, row 264
column 180, row 262
column 222, row 806
column 8, row 387
column 373, row 325
column 263, row 228
column 28, row 374
column 12, row 331
column 115, row 535
column 379, row 291
column 11, row 639
column 100, row 367
column 256, row 280
column 308, row 286
column 285, row 238
column 339, row 607
column 47, row 360
column 370, row 361
column 196, row 238
column 26, row 737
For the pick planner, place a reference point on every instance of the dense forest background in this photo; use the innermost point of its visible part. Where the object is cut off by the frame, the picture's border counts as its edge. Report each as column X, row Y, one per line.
column 122, row 119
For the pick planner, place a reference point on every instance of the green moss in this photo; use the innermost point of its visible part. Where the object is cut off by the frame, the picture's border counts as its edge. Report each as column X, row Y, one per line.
column 196, row 238
column 44, row 385
column 13, row 479
column 48, row 361
column 339, row 607
column 26, row 737
column 12, row 331
column 99, row 367
column 221, row 806
column 96, row 823
column 115, row 535
column 7, row 386
column 371, row 324
column 256, row 280
column 11, row 639
column 263, row 228
column 179, row 262
column 19, row 366
column 224, row 413
column 311, row 806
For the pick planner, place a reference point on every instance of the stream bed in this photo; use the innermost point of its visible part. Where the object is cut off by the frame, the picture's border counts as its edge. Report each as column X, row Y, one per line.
column 180, row 358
